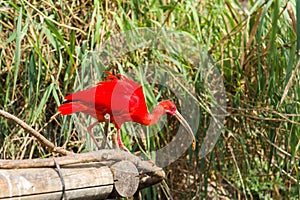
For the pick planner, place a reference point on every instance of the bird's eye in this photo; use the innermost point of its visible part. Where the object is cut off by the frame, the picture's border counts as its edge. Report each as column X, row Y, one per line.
column 173, row 108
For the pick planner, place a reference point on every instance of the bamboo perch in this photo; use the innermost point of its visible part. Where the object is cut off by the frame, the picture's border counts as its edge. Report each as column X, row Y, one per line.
column 130, row 173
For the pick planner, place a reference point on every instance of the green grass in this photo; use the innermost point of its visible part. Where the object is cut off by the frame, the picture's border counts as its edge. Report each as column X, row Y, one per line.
column 47, row 51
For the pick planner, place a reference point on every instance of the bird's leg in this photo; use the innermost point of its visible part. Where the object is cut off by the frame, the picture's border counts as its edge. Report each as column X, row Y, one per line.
column 89, row 129
column 120, row 142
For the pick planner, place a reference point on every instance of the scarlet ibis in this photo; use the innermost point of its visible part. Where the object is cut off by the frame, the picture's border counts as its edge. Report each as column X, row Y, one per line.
column 123, row 100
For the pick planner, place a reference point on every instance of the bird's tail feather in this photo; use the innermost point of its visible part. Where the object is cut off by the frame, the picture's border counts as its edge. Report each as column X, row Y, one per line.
column 70, row 107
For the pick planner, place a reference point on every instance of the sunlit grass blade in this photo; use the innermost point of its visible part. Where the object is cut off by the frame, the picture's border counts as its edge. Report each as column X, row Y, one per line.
column 20, row 33
column 298, row 24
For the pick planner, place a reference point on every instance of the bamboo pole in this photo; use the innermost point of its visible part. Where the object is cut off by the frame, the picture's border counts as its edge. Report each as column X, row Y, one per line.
column 45, row 183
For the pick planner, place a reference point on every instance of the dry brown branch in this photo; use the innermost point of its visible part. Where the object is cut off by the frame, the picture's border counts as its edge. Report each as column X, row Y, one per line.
column 35, row 134
column 282, row 151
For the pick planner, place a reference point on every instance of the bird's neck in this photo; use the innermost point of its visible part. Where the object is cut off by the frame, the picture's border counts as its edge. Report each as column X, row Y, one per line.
column 156, row 114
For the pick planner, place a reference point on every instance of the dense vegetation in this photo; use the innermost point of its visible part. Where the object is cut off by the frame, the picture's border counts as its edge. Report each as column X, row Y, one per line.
column 44, row 46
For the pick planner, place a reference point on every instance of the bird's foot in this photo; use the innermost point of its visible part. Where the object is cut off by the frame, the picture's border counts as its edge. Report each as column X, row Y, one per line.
column 89, row 129
column 120, row 142
column 122, row 146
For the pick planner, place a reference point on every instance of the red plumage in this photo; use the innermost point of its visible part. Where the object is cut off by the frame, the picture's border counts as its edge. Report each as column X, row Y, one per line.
column 121, row 98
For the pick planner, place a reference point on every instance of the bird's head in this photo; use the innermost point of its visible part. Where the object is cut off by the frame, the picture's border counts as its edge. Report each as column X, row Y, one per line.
column 171, row 109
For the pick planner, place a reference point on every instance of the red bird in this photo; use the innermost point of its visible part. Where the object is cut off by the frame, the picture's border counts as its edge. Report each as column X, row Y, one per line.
column 123, row 100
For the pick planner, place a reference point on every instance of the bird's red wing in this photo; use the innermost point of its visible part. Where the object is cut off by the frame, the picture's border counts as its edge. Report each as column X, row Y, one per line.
column 128, row 98
column 99, row 95
column 121, row 98
column 71, row 107
column 74, row 107
column 102, row 95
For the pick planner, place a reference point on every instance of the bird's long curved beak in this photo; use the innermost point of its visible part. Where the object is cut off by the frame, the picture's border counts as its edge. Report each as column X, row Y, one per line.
column 187, row 127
